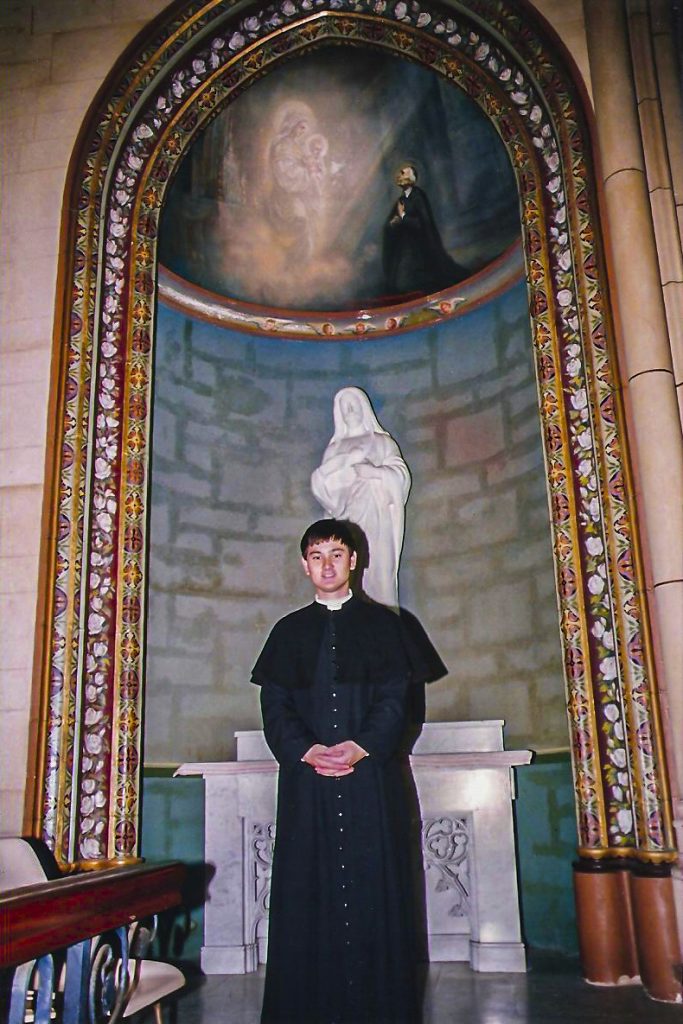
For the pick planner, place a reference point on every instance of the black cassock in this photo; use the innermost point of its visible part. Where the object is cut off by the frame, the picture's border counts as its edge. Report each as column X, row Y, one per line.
column 341, row 940
column 414, row 256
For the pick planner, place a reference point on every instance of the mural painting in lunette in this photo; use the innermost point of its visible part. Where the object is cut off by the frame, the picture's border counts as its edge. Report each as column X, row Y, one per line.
column 343, row 180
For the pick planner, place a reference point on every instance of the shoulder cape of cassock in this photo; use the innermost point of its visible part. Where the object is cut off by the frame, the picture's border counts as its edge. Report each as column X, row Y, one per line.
column 374, row 645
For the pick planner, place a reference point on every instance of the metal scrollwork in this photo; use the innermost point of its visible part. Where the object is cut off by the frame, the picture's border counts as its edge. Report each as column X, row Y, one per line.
column 445, row 847
column 108, row 984
column 33, row 991
column 85, row 984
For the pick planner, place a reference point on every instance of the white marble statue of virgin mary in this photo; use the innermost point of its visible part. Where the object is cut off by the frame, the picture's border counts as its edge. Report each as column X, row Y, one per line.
column 363, row 478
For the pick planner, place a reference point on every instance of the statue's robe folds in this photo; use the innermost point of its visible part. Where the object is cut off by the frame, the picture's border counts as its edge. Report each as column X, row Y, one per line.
column 341, row 944
column 375, row 505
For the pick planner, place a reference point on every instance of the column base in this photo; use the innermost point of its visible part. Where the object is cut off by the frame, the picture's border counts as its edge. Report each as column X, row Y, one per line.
column 656, row 935
column 627, row 926
column 677, row 883
column 607, row 946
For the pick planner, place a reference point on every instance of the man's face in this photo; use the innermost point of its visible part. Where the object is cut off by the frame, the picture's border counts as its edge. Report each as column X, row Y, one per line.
column 328, row 564
column 404, row 177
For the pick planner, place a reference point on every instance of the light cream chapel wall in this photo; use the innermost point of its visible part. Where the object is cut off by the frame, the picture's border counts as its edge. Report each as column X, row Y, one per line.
column 53, row 57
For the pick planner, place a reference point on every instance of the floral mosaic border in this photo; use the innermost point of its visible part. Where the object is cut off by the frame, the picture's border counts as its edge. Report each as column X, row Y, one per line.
column 93, row 738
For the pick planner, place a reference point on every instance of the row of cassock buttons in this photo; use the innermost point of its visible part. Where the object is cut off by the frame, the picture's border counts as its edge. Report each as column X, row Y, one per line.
column 335, row 725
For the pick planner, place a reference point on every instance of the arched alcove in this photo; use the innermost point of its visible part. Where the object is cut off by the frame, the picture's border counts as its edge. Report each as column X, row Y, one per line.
column 186, row 70
column 241, row 417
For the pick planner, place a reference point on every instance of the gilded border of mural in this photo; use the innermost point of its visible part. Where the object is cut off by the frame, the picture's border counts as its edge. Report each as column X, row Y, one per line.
column 93, row 728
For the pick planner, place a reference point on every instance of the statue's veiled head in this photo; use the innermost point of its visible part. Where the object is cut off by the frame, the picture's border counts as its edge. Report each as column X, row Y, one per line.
column 354, row 414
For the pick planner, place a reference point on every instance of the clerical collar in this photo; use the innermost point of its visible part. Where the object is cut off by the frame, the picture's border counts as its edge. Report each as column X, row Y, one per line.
column 335, row 603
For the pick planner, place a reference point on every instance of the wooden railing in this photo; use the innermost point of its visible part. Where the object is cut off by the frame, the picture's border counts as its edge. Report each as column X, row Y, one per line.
column 64, row 945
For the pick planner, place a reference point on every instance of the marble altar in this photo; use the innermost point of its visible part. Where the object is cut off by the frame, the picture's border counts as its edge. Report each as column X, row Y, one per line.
column 465, row 787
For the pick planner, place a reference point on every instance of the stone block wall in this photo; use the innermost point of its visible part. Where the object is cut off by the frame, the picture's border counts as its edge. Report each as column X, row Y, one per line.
column 239, row 425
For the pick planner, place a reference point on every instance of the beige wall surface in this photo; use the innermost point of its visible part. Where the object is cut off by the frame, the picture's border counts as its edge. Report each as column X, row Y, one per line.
column 53, row 57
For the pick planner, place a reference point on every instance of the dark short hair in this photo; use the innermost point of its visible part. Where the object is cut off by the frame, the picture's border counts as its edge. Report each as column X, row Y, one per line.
column 328, row 529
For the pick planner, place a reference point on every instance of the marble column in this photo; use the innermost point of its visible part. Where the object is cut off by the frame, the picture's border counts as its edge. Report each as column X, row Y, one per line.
column 607, row 941
column 660, row 112
column 645, row 360
column 666, row 64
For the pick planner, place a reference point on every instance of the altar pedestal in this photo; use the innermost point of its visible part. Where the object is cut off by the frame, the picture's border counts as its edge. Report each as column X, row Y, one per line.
column 465, row 788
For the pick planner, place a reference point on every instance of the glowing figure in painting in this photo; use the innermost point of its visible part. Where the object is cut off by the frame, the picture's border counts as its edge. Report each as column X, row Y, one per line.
column 296, row 171
column 363, row 478
column 316, row 154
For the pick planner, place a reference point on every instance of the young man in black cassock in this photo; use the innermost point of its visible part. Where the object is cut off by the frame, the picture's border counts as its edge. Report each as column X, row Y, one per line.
column 334, row 678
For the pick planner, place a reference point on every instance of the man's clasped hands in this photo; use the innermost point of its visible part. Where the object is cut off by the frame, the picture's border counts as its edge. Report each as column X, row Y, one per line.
column 334, row 761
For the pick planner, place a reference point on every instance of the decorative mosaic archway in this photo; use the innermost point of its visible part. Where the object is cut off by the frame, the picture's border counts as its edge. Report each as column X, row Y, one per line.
column 189, row 66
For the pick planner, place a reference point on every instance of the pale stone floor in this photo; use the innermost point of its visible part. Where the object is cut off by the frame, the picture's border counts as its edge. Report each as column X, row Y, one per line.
column 552, row 992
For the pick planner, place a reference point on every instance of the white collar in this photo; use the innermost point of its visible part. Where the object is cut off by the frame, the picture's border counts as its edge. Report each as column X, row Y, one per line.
column 335, row 603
